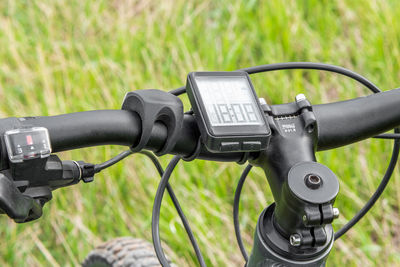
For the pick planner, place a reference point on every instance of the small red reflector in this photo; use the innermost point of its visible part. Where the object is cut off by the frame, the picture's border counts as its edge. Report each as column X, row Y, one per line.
column 29, row 140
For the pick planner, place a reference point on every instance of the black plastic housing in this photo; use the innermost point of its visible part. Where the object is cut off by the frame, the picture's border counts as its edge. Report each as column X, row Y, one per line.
column 155, row 105
column 238, row 138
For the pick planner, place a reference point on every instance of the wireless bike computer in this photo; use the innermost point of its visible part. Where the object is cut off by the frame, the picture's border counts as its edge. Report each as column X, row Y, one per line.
column 227, row 111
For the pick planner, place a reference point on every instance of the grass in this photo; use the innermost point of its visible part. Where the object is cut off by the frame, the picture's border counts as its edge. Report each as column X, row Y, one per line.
column 69, row 56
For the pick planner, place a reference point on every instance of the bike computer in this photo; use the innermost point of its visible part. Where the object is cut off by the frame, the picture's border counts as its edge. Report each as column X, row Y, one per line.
column 227, row 111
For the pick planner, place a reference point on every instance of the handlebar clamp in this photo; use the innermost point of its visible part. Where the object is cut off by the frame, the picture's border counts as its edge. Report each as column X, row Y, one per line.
column 156, row 105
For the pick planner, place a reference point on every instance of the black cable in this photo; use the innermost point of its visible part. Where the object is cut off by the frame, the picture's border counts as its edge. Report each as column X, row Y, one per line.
column 155, row 221
column 157, row 164
column 178, row 91
column 178, row 208
column 236, row 203
column 388, row 136
column 369, row 85
column 350, row 74
column 313, row 66
column 302, row 65
column 378, row 192
column 99, row 167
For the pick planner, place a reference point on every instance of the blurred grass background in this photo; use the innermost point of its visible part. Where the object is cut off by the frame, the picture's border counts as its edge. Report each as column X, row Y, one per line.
column 68, row 56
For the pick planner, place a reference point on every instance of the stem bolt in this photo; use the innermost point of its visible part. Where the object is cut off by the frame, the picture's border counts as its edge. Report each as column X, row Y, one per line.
column 336, row 213
column 295, row 240
column 313, row 181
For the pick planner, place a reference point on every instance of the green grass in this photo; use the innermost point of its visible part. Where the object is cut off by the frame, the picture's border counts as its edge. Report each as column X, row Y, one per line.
column 68, row 56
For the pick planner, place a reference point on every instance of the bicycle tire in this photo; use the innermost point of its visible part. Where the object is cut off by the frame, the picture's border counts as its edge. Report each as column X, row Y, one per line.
column 123, row 252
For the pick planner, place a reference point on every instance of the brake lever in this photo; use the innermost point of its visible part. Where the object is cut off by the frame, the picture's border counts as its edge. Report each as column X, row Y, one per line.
column 26, row 187
column 19, row 207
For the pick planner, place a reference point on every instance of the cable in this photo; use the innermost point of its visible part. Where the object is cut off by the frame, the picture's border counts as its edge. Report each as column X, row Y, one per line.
column 302, row 65
column 313, row 66
column 331, row 68
column 369, row 85
column 378, row 192
column 178, row 91
column 99, row 167
column 388, row 136
column 153, row 158
column 236, row 203
column 155, row 221
column 156, row 163
column 176, row 204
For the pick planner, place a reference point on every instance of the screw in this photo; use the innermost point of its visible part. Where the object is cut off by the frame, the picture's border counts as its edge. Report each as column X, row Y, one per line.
column 295, row 240
column 336, row 213
column 305, row 220
column 262, row 101
column 300, row 97
column 313, row 181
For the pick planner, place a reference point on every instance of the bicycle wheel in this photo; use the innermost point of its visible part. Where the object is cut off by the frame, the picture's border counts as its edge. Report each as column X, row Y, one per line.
column 123, row 252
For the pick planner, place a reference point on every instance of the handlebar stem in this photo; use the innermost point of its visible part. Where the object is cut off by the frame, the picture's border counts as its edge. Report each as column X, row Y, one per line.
column 302, row 207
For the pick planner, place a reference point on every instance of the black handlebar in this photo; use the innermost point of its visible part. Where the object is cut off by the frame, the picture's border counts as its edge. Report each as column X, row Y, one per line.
column 113, row 127
column 339, row 124
column 346, row 122
column 89, row 128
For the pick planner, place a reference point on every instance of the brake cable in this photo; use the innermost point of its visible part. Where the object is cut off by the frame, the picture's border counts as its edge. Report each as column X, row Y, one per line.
column 388, row 136
column 236, row 203
column 301, row 65
column 99, row 167
column 330, row 68
column 378, row 192
column 157, row 164
column 177, row 207
column 155, row 222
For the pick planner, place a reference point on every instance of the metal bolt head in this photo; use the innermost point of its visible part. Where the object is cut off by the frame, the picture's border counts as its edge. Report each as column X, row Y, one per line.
column 336, row 213
column 295, row 240
column 300, row 97
column 262, row 101
column 305, row 220
column 313, row 181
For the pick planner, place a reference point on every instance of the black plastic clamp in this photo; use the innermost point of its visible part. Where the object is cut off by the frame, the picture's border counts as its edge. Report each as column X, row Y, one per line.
column 155, row 105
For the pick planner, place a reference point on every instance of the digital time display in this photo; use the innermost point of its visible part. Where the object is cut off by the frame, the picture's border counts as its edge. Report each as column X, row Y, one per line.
column 229, row 101
column 227, row 111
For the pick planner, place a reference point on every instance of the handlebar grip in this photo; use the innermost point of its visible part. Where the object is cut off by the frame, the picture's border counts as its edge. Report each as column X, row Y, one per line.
column 346, row 122
column 89, row 128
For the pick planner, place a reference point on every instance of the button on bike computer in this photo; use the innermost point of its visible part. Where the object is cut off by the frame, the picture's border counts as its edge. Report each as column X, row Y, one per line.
column 227, row 111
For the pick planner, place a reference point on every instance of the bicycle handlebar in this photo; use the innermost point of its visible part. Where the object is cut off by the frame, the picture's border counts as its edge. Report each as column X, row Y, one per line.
column 364, row 117
column 346, row 122
column 338, row 124
column 111, row 127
